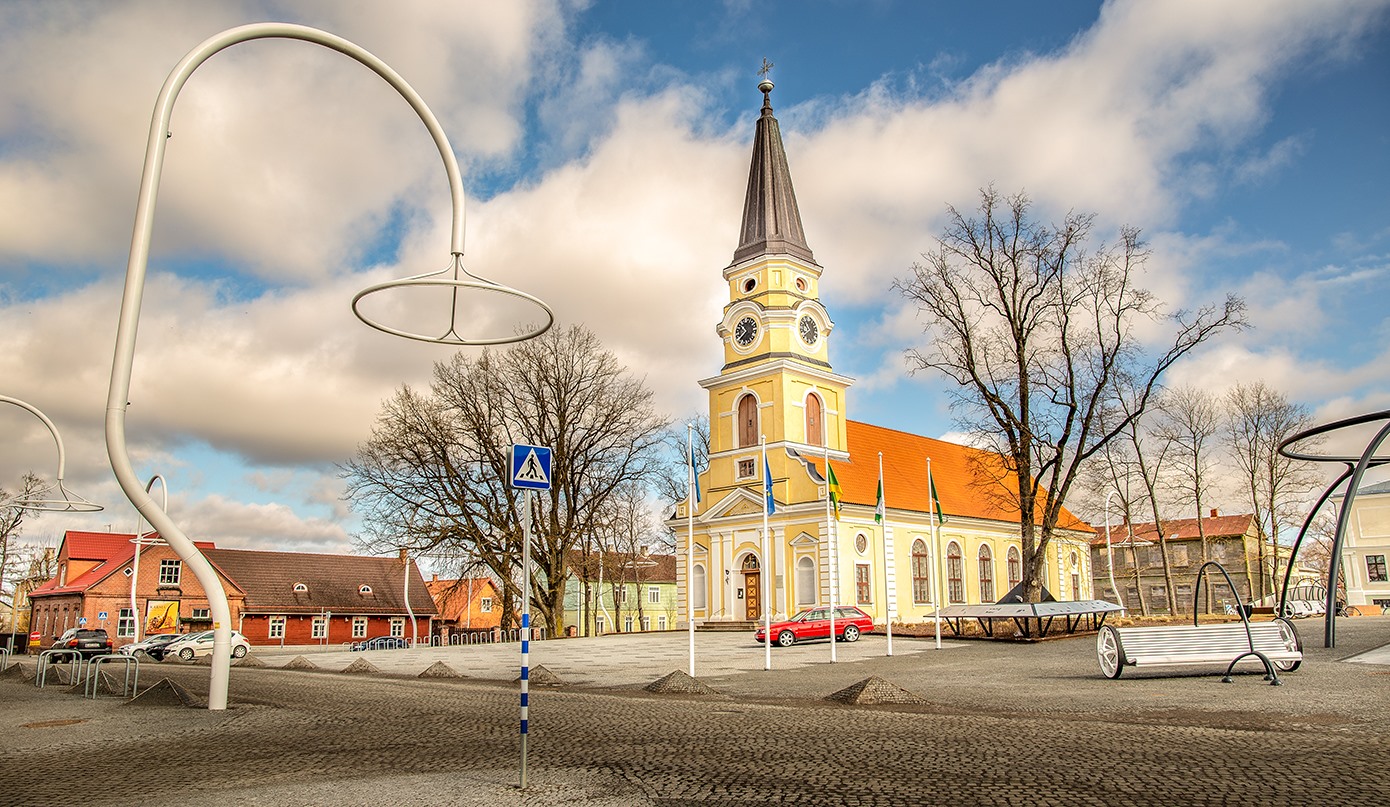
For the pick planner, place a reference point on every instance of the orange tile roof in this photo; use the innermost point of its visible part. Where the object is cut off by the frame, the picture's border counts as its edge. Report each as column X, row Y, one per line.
column 905, row 475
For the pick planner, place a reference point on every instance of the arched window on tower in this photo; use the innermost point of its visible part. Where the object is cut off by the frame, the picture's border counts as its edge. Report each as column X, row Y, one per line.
column 815, row 417
column 747, row 421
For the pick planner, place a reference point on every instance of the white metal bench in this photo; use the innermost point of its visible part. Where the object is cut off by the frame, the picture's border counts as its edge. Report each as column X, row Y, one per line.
column 1275, row 644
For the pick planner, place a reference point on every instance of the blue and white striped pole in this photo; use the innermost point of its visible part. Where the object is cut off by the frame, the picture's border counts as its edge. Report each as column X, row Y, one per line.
column 525, row 629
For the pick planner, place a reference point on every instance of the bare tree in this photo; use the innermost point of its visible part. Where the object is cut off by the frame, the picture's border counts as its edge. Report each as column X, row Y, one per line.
column 436, row 469
column 12, row 517
column 1260, row 418
column 1190, row 423
column 1111, row 469
column 1039, row 334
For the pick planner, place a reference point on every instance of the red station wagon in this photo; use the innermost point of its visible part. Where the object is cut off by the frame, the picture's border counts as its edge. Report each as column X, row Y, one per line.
column 814, row 623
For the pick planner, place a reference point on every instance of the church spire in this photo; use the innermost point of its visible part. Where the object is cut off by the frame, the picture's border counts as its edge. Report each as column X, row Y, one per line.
column 771, row 220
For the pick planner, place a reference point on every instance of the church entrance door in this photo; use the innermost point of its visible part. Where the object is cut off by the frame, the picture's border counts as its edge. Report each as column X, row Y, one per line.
column 753, row 611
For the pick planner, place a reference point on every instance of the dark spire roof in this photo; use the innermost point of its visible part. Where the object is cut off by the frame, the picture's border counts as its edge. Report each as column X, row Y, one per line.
column 771, row 220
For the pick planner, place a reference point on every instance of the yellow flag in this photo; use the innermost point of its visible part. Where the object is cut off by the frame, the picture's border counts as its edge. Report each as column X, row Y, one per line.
column 835, row 493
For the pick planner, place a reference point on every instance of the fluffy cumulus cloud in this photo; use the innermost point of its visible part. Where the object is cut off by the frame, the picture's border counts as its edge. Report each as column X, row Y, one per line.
column 286, row 172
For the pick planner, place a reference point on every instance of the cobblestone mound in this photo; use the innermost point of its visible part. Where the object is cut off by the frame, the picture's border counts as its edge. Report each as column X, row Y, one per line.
column 106, row 684
column 872, row 691
column 440, row 670
column 18, row 672
column 248, row 660
column 167, row 693
column 300, row 663
column 541, row 677
column 679, row 683
column 361, row 665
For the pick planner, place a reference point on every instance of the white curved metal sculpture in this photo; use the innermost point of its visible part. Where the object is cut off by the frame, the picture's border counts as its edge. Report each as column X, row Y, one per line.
column 118, row 395
column 67, row 501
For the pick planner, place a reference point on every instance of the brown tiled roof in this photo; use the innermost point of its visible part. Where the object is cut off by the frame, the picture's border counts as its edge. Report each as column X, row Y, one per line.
column 333, row 581
column 905, row 475
column 1179, row 529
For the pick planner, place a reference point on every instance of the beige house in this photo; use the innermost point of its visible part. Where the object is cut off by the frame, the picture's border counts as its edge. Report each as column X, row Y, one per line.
column 1367, row 546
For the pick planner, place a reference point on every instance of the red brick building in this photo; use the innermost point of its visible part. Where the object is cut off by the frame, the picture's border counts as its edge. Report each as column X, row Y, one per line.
column 275, row 597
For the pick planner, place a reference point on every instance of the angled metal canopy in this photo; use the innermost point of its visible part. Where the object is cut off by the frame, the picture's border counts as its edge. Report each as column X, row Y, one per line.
column 66, row 501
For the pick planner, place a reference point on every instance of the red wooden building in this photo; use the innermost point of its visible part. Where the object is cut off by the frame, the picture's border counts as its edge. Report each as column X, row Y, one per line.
column 275, row 597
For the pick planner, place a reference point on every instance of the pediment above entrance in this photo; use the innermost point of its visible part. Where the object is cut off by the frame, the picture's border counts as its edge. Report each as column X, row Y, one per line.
column 739, row 502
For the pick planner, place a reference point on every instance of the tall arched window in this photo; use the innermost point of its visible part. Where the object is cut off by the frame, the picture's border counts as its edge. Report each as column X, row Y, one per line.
column 815, row 426
column 747, row 421
column 805, row 582
column 1075, row 578
column 986, row 574
column 1015, row 567
column 955, row 574
column 921, row 572
column 697, row 586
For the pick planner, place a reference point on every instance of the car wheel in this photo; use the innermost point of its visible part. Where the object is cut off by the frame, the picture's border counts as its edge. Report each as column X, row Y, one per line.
column 851, row 633
column 239, row 651
column 786, row 639
column 186, row 654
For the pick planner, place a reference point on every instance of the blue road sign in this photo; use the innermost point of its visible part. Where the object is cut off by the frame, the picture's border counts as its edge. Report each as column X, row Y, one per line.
column 531, row 467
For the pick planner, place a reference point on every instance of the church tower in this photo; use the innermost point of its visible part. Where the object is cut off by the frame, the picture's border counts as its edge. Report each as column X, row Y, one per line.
column 777, row 382
column 776, row 386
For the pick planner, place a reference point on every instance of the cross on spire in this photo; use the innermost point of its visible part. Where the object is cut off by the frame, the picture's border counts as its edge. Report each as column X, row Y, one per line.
column 766, row 68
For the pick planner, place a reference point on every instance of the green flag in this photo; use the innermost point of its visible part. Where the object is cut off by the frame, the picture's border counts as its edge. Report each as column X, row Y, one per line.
column 835, row 493
column 879, row 509
column 935, row 501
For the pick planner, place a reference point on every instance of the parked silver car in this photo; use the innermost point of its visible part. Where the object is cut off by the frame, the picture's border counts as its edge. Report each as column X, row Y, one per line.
column 200, row 644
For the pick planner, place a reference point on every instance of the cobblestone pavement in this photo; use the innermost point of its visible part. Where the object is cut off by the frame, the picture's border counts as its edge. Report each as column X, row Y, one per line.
column 1001, row 724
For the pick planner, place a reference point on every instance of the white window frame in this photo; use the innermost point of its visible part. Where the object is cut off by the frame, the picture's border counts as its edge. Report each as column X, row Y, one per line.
column 200, row 613
column 398, row 627
column 275, row 629
column 359, row 627
column 125, row 624
column 653, row 595
column 698, row 582
column 485, row 605
column 170, row 572
column 661, row 623
column 319, row 628
column 646, row 623
column 627, row 624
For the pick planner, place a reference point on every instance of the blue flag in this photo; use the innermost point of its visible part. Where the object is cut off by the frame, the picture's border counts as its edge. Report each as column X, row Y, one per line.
column 767, row 487
column 694, row 477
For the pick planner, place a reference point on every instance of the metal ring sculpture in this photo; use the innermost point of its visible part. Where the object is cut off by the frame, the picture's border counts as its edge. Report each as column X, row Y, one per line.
column 123, row 362
column 68, row 502
column 459, row 279
column 1270, row 675
column 1356, row 469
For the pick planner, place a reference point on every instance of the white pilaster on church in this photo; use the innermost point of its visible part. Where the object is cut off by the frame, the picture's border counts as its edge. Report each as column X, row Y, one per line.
column 890, row 573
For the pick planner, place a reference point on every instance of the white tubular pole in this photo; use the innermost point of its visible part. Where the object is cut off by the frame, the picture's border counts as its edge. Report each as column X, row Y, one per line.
column 689, row 545
column 887, row 595
column 831, row 536
column 526, row 631
column 118, row 396
column 1109, row 556
column 766, row 567
column 405, row 593
column 135, row 563
column 936, row 553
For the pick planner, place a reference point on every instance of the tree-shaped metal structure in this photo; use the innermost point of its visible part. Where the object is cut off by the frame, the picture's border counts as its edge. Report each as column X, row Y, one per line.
column 63, row 500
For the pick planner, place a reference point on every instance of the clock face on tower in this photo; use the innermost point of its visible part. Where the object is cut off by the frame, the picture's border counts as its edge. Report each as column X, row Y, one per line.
column 809, row 330
column 746, row 331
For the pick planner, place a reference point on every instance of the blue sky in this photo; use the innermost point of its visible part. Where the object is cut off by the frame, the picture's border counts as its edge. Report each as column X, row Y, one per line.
column 605, row 148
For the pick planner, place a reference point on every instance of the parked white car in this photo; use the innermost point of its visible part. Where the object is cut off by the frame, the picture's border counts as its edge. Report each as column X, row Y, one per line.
column 200, row 644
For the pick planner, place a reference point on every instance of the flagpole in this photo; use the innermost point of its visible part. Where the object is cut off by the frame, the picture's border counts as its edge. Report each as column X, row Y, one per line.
column 935, row 550
column 881, row 515
column 691, row 498
column 831, row 535
column 766, row 565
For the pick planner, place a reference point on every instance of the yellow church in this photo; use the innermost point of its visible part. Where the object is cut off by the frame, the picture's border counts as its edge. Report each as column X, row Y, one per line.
column 778, row 387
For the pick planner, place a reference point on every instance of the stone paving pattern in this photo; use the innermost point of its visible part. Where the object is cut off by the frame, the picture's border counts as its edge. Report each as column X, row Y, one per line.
column 1001, row 724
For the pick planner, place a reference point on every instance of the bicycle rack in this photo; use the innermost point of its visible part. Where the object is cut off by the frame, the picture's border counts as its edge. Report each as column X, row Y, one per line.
column 93, row 680
column 4, row 658
column 46, row 661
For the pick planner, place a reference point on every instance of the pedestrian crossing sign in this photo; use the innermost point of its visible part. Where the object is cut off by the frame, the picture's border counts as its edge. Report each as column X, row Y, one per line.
column 530, row 467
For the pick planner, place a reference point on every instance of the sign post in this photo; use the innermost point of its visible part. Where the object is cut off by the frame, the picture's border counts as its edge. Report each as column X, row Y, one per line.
column 530, row 471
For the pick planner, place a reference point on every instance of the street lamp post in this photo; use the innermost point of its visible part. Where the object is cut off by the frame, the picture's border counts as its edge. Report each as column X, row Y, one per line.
column 1109, row 556
column 118, row 396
